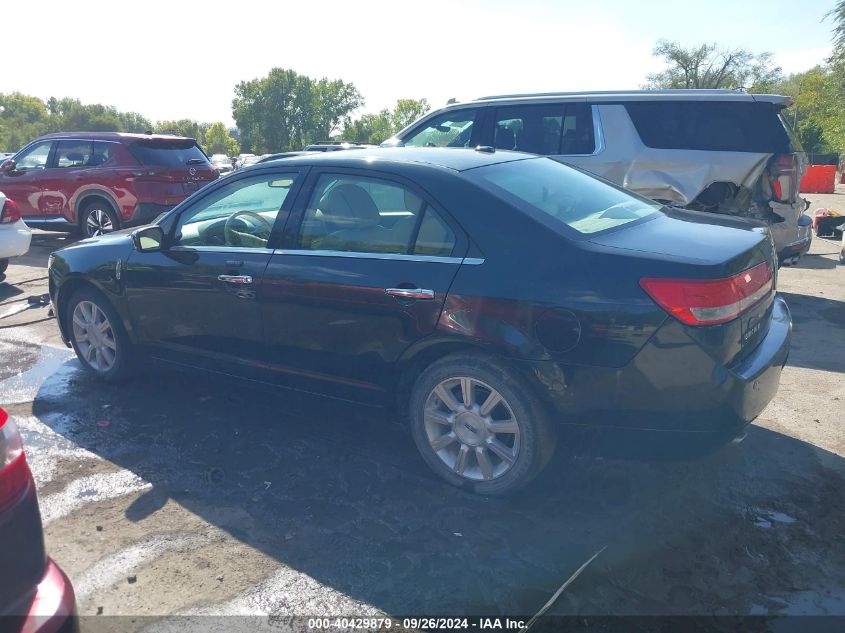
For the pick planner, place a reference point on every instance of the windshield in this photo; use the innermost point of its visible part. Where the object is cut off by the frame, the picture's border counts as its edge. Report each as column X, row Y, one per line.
column 560, row 196
column 168, row 155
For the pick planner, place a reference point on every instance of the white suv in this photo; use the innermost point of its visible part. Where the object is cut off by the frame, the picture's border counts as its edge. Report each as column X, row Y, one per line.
column 719, row 151
column 15, row 236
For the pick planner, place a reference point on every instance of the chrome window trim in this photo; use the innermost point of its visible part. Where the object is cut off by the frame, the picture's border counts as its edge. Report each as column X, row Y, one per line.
column 473, row 261
column 222, row 249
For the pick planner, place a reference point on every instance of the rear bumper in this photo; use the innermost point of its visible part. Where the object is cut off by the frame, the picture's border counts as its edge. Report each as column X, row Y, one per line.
column 53, row 607
column 672, row 386
column 791, row 251
column 14, row 239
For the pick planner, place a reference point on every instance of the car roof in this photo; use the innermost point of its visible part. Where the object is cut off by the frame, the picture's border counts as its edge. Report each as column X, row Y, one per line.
column 457, row 159
column 632, row 95
column 115, row 136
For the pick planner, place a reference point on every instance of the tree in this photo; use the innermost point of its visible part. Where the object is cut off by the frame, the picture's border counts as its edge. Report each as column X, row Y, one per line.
column 286, row 110
column 218, row 141
column 369, row 128
column 333, row 101
column 375, row 128
column 709, row 66
column 407, row 111
column 183, row 127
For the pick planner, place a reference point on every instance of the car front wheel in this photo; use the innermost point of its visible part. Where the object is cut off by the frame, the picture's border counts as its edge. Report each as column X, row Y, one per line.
column 476, row 425
column 97, row 335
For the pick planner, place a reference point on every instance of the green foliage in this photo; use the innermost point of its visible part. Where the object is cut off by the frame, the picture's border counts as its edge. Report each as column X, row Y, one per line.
column 218, row 141
column 818, row 114
column 286, row 110
column 183, row 127
column 375, row 128
column 709, row 66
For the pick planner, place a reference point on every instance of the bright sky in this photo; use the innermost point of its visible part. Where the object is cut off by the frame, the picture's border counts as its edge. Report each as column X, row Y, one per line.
column 176, row 59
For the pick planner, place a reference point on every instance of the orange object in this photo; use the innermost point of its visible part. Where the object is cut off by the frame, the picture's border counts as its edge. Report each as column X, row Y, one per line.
column 819, row 179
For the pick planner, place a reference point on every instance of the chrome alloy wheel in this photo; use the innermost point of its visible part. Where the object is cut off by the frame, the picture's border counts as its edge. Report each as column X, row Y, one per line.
column 98, row 222
column 471, row 428
column 94, row 336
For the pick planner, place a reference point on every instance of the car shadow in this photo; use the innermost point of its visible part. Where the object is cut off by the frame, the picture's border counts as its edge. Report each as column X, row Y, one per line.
column 43, row 243
column 812, row 316
column 340, row 493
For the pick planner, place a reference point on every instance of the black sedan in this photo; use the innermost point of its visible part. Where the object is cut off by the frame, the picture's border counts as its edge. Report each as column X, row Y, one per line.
column 35, row 595
column 492, row 296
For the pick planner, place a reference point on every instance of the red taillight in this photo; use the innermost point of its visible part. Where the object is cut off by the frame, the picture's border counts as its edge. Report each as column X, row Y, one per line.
column 711, row 301
column 785, row 177
column 11, row 212
column 14, row 473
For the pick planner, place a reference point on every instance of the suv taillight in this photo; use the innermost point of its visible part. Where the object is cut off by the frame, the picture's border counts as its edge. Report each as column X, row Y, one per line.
column 11, row 212
column 784, row 172
column 14, row 472
column 711, row 301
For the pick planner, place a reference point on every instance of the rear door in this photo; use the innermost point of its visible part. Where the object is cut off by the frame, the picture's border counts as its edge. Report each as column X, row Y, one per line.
column 199, row 294
column 364, row 271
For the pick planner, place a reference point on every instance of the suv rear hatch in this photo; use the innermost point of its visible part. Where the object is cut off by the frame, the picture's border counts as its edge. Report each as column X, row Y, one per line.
column 176, row 167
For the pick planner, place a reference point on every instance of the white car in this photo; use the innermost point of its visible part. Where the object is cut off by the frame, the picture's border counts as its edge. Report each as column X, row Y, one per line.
column 15, row 236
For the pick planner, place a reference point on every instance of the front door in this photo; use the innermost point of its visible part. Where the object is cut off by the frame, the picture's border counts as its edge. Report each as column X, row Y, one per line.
column 23, row 184
column 199, row 294
column 363, row 276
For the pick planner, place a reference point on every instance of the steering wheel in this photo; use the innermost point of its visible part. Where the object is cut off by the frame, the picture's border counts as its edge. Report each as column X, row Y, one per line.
column 261, row 225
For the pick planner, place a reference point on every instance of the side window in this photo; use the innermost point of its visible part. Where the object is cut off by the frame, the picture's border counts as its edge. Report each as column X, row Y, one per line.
column 103, row 153
column 365, row 215
column 452, row 129
column 74, row 153
column 545, row 129
column 239, row 214
column 434, row 237
column 528, row 128
column 35, row 157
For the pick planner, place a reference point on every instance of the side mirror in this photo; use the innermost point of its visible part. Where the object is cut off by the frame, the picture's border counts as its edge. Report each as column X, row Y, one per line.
column 149, row 238
column 8, row 165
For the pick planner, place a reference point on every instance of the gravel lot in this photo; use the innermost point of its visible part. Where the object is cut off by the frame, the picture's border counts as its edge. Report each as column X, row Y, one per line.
column 183, row 494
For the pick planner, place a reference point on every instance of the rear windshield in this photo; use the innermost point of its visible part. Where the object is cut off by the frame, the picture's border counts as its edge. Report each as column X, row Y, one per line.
column 168, row 154
column 727, row 126
column 562, row 197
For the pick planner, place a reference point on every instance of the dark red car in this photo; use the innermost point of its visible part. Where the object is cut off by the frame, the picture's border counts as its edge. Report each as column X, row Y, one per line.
column 98, row 182
column 35, row 595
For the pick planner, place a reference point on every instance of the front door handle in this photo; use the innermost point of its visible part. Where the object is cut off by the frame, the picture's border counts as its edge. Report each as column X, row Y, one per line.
column 410, row 293
column 235, row 279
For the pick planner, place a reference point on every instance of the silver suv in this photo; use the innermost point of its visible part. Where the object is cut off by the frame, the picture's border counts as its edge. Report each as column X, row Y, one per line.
column 719, row 151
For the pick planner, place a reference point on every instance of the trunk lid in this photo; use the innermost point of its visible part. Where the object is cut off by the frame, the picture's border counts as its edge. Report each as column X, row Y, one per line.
column 701, row 247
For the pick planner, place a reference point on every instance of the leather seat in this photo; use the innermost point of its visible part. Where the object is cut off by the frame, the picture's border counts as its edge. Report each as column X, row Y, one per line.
column 350, row 214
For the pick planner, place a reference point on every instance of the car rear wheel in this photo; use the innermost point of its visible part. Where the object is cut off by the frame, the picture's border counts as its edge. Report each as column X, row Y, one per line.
column 476, row 425
column 97, row 336
column 98, row 218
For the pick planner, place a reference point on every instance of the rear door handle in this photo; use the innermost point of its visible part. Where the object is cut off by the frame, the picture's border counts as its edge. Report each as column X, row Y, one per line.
column 410, row 293
column 235, row 279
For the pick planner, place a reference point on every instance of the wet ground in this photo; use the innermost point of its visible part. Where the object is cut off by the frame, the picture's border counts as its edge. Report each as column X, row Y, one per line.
column 184, row 494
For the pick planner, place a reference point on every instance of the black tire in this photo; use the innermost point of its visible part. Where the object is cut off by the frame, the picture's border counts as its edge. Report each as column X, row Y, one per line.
column 97, row 218
column 536, row 440
column 4, row 264
column 124, row 363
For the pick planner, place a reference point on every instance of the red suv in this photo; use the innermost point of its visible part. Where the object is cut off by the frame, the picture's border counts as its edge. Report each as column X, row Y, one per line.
column 102, row 181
